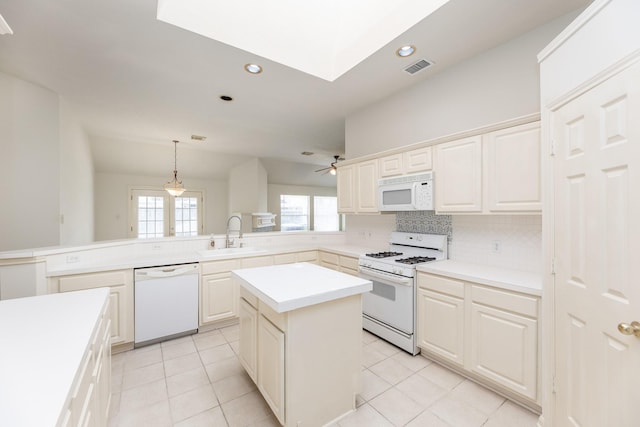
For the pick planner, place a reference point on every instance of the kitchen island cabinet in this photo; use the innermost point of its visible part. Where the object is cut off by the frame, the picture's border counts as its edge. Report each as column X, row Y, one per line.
column 301, row 339
column 55, row 364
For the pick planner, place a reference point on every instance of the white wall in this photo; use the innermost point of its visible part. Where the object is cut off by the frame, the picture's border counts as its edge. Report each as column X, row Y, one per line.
column 497, row 85
column 111, row 204
column 29, row 165
column 275, row 190
column 248, row 188
column 76, row 181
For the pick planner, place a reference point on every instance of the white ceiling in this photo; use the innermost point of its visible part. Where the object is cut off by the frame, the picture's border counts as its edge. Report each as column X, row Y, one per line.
column 137, row 83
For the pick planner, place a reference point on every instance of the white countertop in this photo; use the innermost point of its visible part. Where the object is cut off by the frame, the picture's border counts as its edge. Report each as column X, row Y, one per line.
column 515, row 280
column 193, row 256
column 43, row 341
column 291, row 286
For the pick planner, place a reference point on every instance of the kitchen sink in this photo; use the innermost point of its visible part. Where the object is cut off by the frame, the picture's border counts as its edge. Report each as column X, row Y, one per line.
column 213, row 253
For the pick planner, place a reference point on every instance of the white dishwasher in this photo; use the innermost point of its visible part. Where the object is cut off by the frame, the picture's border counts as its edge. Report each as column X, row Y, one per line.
column 165, row 303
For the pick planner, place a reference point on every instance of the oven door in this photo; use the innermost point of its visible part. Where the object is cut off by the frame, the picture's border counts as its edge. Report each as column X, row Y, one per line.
column 391, row 301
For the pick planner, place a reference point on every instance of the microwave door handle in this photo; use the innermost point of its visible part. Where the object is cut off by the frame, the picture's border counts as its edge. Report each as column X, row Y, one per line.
column 414, row 191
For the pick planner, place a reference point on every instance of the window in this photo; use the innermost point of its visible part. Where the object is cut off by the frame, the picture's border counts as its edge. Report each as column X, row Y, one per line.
column 303, row 213
column 325, row 213
column 294, row 212
column 154, row 213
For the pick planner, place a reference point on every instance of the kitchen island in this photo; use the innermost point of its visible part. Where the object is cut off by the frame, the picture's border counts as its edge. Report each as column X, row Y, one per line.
column 301, row 339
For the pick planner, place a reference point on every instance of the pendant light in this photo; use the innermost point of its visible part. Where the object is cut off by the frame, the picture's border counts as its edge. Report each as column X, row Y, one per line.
column 175, row 187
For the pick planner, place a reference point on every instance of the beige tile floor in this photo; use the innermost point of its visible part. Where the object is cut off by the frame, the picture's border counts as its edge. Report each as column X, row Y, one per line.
column 198, row 381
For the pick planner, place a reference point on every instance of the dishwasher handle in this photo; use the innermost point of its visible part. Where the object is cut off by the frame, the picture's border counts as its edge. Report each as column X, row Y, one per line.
column 168, row 271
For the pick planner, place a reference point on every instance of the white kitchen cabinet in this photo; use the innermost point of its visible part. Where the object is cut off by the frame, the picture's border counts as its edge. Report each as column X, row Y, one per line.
column 218, row 293
column 458, row 175
column 408, row 162
column 342, row 263
column 441, row 325
column 308, row 359
column 248, row 353
column 271, row 376
column 498, row 172
column 513, row 169
column 120, row 284
column 291, row 257
column 357, row 187
column 257, row 261
column 487, row 333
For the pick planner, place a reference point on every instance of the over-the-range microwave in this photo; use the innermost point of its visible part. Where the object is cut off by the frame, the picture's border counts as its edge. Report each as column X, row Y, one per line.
column 406, row 193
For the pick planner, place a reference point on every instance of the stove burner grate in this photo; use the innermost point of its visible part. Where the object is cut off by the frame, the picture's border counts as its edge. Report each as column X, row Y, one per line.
column 415, row 260
column 383, row 254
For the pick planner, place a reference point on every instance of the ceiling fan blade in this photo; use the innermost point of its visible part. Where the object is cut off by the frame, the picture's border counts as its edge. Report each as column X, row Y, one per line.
column 324, row 169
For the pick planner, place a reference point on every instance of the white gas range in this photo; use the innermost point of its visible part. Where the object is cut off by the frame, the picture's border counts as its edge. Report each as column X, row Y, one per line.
column 389, row 310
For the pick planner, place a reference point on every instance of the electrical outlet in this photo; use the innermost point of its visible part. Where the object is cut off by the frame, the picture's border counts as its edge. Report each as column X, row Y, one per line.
column 496, row 246
column 72, row 259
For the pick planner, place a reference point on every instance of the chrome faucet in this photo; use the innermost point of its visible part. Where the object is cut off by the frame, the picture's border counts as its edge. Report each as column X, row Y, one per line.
column 229, row 242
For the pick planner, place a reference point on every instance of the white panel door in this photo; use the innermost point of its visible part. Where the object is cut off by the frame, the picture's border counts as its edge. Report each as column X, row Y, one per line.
column 597, row 243
column 367, row 185
column 441, row 325
column 345, row 183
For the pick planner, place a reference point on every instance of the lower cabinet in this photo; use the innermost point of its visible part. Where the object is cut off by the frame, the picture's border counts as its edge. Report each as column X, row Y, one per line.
column 306, row 363
column 91, row 392
column 218, row 293
column 120, row 284
column 271, row 366
column 488, row 333
column 342, row 263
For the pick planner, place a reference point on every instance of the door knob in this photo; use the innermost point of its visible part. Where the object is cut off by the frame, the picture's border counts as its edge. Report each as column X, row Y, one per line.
column 630, row 329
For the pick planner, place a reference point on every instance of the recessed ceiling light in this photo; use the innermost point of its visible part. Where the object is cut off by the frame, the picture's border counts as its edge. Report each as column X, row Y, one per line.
column 405, row 51
column 226, row 98
column 253, row 68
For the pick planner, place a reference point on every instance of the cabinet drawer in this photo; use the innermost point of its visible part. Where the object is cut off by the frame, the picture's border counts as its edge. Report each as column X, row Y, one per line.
column 349, row 263
column 441, row 284
column 307, row 256
column 219, row 266
column 259, row 261
column 329, row 258
column 278, row 319
column 249, row 297
column 95, row 280
column 284, row 259
column 518, row 303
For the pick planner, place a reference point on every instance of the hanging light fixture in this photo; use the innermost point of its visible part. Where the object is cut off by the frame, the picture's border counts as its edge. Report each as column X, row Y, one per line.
column 175, row 187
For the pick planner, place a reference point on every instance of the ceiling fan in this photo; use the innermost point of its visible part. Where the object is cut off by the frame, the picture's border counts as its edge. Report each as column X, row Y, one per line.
column 331, row 169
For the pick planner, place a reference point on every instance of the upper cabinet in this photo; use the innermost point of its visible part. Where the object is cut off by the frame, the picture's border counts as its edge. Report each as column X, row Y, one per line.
column 497, row 172
column 513, row 169
column 357, row 187
column 458, row 175
column 413, row 161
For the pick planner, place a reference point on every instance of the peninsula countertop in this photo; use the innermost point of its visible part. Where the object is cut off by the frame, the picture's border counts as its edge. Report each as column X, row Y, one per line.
column 44, row 340
column 291, row 286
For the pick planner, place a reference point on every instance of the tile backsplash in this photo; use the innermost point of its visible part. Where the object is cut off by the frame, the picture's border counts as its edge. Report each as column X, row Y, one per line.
column 424, row 222
column 507, row 241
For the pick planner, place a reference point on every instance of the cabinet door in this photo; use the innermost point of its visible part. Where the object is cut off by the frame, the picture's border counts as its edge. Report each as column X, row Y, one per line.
column 418, row 160
column 248, row 338
column 441, row 325
column 345, row 182
column 120, row 285
column 367, row 185
column 391, row 165
column 271, row 366
column 513, row 169
column 458, row 175
column 504, row 348
column 218, row 299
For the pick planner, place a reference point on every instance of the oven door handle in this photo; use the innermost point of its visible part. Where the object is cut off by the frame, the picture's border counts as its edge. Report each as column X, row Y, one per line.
column 396, row 280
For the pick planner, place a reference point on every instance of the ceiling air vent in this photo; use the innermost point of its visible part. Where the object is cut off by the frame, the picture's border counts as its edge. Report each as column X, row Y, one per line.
column 420, row 65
